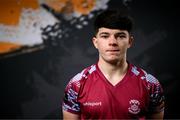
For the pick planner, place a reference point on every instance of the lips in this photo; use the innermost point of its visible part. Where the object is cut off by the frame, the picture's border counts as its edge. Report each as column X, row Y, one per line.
column 113, row 50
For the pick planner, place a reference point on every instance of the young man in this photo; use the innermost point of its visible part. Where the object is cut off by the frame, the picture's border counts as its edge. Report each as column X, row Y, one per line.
column 113, row 88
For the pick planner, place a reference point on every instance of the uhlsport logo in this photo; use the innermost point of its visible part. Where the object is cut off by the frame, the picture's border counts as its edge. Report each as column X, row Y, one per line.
column 134, row 106
column 92, row 104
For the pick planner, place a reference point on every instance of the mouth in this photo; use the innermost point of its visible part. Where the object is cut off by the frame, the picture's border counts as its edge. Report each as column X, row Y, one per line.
column 112, row 50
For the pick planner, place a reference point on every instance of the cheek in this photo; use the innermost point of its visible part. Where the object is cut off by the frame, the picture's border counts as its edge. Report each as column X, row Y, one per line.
column 125, row 45
column 101, row 46
column 101, row 49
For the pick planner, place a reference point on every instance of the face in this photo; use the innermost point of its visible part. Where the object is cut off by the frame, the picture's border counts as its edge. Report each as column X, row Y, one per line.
column 112, row 44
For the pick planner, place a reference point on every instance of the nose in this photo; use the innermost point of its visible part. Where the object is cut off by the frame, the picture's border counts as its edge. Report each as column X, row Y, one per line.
column 113, row 41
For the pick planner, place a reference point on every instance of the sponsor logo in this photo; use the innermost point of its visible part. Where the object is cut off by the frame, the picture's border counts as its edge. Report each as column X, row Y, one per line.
column 134, row 106
column 92, row 104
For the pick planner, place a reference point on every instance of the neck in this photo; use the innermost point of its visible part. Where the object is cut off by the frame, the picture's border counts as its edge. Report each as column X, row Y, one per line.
column 110, row 69
column 114, row 73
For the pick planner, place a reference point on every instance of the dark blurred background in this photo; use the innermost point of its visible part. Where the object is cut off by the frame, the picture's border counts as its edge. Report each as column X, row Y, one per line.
column 32, row 84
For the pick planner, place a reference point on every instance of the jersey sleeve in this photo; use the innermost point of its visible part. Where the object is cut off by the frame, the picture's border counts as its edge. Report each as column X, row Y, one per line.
column 70, row 102
column 71, row 93
column 156, row 94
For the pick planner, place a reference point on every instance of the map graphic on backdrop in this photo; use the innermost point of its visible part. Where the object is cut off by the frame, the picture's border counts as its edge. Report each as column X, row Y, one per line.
column 25, row 25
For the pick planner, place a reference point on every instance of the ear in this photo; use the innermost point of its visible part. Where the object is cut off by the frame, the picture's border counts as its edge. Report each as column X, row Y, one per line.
column 94, row 40
column 131, row 39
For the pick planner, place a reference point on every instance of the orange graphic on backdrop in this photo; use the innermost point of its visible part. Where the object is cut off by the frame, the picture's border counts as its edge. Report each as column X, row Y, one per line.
column 7, row 47
column 83, row 6
column 69, row 6
column 10, row 10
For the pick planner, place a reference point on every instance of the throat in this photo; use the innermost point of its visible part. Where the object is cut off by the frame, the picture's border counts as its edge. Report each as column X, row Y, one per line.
column 115, row 79
column 114, row 74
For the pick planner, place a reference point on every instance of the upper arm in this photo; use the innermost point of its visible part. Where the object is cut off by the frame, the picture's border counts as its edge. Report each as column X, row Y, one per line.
column 70, row 116
column 70, row 104
column 157, row 99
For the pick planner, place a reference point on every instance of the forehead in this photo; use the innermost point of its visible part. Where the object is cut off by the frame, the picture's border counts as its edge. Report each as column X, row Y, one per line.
column 111, row 31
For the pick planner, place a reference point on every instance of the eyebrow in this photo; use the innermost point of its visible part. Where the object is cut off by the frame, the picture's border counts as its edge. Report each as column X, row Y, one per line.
column 119, row 33
column 103, row 33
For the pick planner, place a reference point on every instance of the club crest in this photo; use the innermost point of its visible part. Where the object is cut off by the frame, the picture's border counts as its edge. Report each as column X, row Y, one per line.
column 134, row 106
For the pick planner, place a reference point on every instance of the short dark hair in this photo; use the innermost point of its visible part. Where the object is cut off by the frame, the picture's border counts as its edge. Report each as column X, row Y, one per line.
column 114, row 19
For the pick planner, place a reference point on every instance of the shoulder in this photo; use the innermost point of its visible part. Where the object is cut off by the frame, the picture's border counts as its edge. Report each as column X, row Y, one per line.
column 148, row 80
column 148, row 77
column 80, row 77
column 71, row 93
column 83, row 74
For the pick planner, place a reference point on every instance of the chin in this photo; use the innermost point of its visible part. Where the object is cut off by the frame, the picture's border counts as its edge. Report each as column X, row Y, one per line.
column 113, row 61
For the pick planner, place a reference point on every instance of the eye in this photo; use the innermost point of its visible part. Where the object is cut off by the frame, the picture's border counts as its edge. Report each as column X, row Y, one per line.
column 120, row 36
column 104, row 36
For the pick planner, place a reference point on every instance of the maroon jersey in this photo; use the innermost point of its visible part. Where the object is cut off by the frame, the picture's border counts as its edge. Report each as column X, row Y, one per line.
column 92, row 96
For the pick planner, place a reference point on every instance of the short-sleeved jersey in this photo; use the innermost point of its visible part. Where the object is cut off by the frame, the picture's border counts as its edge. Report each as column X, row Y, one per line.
column 90, row 95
